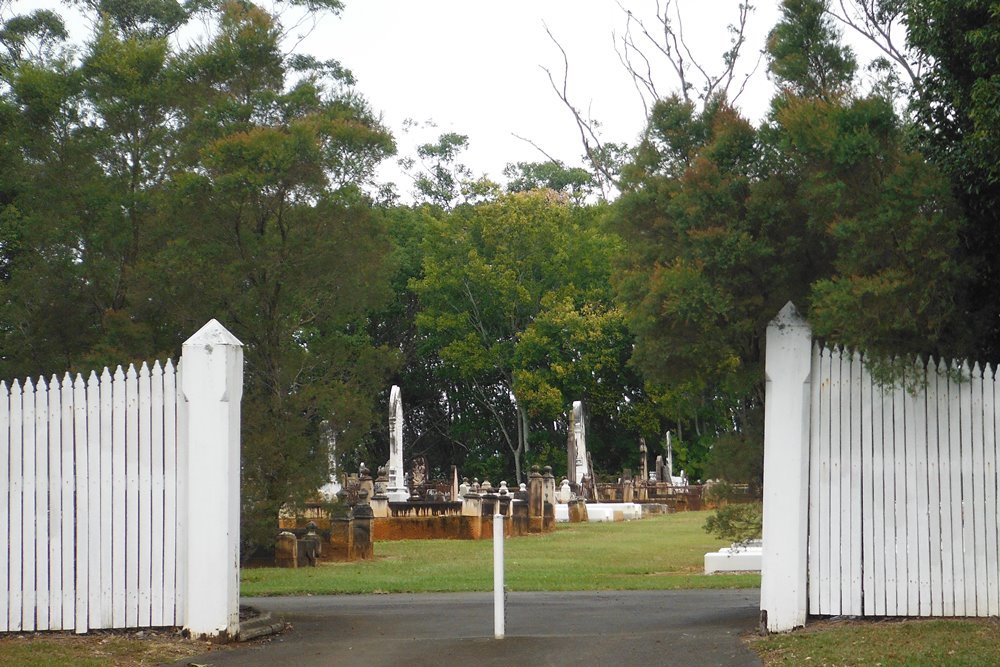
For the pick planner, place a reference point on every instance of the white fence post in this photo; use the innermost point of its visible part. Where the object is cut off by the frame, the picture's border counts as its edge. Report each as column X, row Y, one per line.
column 786, row 471
column 213, row 386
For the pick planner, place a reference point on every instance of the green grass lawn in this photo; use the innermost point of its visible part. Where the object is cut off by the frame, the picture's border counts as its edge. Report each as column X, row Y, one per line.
column 886, row 643
column 657, row 553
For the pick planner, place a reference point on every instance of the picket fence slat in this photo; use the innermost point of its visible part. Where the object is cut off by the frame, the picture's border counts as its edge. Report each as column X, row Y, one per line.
column 68, row 522
column 990, row 482
column 131, row 498
column 17, row 537
column 29, row 563
column 816, row 518
column 5, row 506
column 106, row 512
column 145, row 517
column 867, row 494
column 87, row 475
column 824, row 489
column 171, row 514
column 857, row 531
column 978, row 492
column 934, row 530
column 52, row 419
column 878, row 500
column 840, row 449
column 156, row 418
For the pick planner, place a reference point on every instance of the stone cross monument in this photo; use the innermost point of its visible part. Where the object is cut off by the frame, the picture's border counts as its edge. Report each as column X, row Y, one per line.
column 396, row 490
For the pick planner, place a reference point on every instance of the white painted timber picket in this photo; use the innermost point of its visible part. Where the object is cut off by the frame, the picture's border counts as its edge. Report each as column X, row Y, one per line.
column 910, row 549
column 29, row 459
column 990, row 469
column 955, row 483
column 814, row 502
column 119, row 496
column 156, row 495
column 867, row 481
column 823, row 490
column 16, row 548
column 968, row 520
column 172, row 511
column 979, row 492
column 902, row 487
column 786, row 472
column 903, row 438
column 833, row 572
column 88, row 475
column 4, row 506
column 68, row 552
column 879, row 502
column 857, row 528
column 145, row 499
column 92, row 537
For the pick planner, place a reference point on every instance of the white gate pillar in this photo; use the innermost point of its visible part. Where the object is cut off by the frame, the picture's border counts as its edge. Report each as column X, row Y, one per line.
column 786, row 471
column 212, row 381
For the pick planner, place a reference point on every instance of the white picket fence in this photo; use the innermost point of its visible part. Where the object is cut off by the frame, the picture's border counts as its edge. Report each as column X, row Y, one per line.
column 94, row 501
column 878, row 501
column 91, row 513
column 903, row 492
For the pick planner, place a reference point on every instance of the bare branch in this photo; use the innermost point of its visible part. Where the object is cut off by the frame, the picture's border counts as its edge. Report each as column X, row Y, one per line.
column 537, row 148
column 589, row 137
column 864, row 18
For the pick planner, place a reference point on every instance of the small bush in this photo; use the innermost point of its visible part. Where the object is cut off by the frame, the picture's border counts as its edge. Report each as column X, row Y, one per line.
column 737, row 522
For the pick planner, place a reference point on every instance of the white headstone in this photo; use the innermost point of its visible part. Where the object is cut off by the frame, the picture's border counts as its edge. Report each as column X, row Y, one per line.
column 565, row 493
column 580, row 442
column 670, row 457
column 330, row 490
column 397, row 490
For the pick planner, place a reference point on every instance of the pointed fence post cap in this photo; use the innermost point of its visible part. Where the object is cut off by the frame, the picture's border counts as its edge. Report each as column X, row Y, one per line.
column 789, row 317
column 213, row 333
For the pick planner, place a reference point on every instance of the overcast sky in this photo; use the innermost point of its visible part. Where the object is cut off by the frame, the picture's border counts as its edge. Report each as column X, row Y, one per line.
column 474, row 67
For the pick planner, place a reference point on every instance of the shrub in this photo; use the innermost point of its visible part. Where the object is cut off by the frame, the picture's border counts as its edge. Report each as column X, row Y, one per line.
column 737, row 522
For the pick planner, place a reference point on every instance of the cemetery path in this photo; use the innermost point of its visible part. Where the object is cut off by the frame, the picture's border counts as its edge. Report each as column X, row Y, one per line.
column 690, row 628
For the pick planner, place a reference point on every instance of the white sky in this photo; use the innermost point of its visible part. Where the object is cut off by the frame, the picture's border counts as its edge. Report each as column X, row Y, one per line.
column 474, row 67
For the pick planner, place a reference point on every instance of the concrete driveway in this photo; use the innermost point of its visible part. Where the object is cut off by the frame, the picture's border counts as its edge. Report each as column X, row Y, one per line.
column 689, row 628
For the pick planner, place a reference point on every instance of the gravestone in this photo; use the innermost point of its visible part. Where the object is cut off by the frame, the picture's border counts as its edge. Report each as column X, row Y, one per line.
column 396, row 490
column 330, row 490
column 578, row 463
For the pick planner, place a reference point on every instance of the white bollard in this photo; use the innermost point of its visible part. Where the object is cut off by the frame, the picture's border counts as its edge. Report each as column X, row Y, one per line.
column 499, row 611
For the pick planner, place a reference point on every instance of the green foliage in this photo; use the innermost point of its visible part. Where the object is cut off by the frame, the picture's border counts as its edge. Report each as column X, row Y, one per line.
column 736, row 522
column 161, row 187
column 514, row 301
column 824, row 205
column 573, row 181
column 805, row 51
column 955, row 105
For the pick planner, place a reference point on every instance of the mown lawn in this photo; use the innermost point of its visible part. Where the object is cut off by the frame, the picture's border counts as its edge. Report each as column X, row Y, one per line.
column 656, row 553
column 886, row 643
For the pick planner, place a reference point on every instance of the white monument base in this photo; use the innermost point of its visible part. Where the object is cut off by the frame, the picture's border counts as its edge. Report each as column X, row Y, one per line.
column 398, row 495
column 734, row 559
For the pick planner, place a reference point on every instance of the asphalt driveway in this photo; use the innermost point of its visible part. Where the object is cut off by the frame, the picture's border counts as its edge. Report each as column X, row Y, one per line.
column 689, row 628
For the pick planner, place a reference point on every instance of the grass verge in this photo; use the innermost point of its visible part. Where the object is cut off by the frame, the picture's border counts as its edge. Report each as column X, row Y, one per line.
column 657, row 553
column 98, row 649
column 885, row 643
